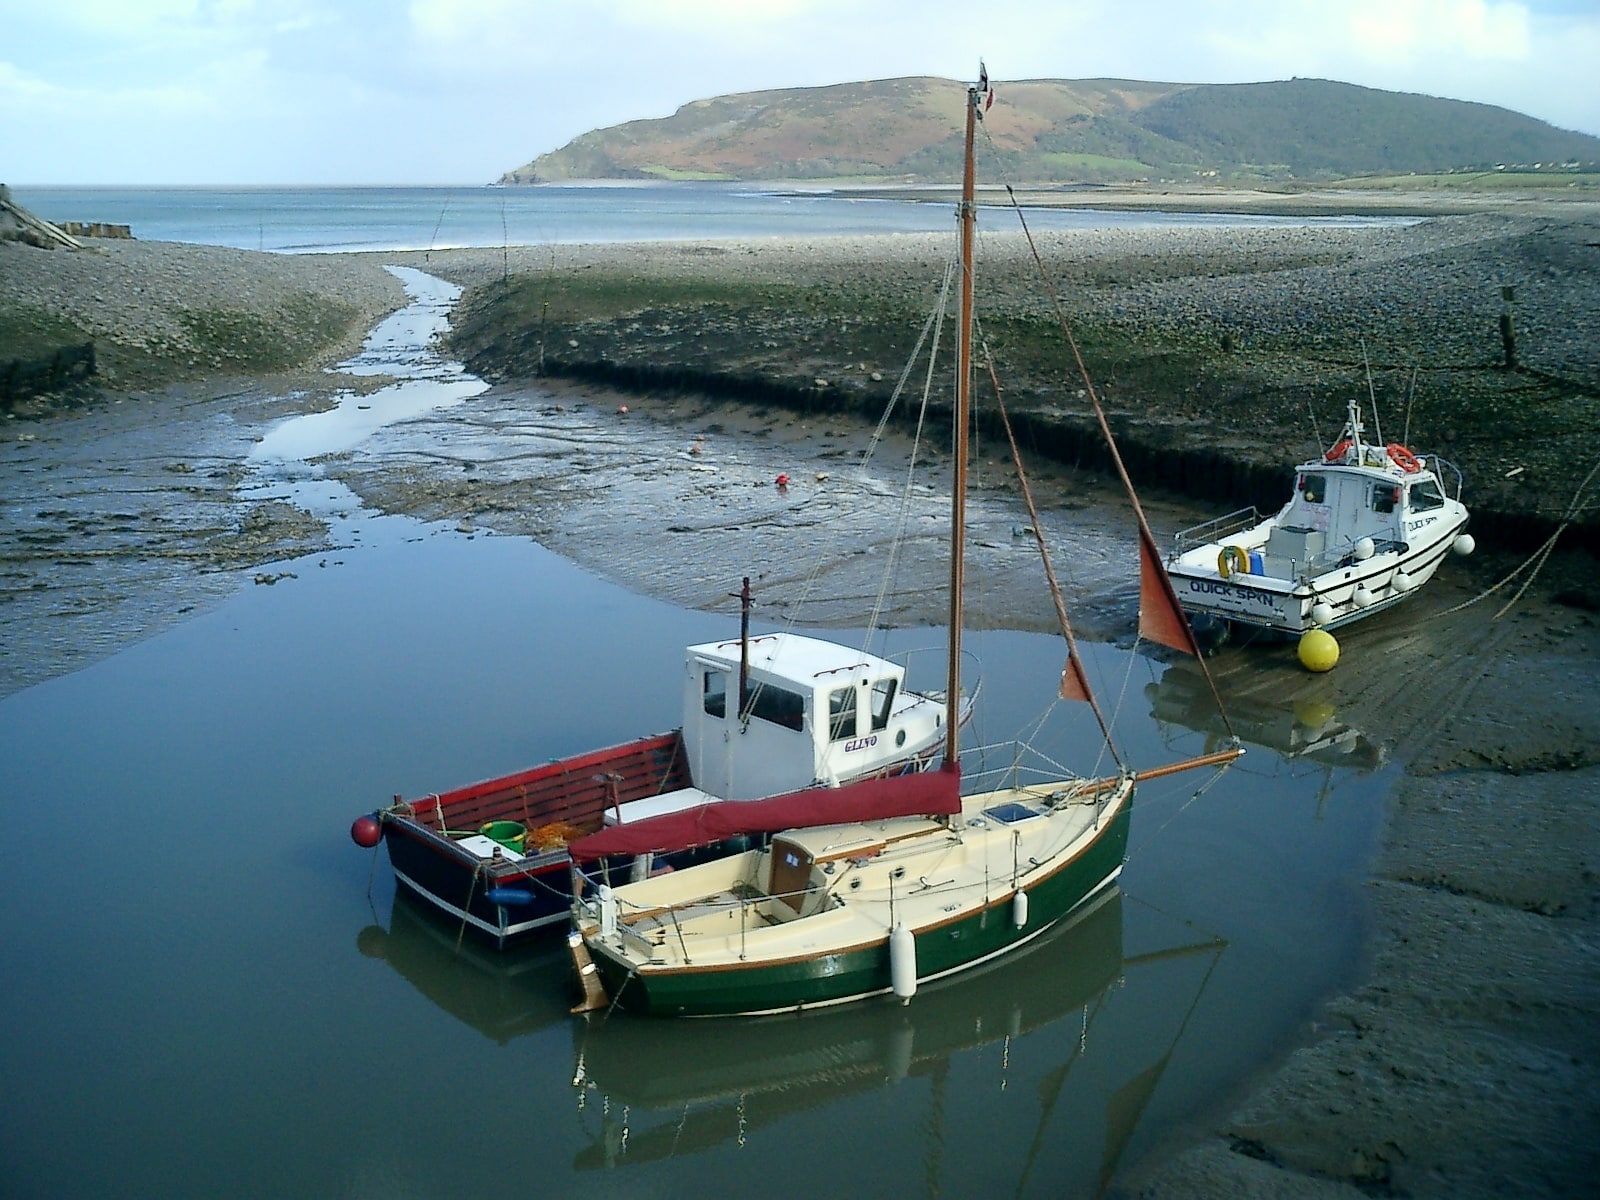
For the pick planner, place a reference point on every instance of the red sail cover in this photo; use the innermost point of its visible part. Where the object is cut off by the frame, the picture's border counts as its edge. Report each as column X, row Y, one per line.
column 925, row 793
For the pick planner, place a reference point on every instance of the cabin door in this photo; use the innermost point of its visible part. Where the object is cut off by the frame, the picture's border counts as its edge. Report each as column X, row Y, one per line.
column 791, row 873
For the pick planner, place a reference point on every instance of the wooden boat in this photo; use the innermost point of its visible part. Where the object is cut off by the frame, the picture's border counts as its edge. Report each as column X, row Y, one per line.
column 1368, row 524
column 492, row 855
column 883, row 886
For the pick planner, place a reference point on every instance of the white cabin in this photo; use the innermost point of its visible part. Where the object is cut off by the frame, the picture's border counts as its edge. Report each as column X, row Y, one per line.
column 814, row 712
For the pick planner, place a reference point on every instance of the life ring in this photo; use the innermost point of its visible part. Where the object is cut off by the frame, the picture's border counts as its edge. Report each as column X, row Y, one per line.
column 1403, row 458
column 1233, row 561
column 1338, row 452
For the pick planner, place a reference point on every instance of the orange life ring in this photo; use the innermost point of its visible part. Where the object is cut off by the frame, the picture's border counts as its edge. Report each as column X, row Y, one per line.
column 1403, row 458
column 1338, row 451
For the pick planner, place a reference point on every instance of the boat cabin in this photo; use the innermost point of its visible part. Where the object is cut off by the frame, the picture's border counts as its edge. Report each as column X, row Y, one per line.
column 812, row 712
column 1334, row 508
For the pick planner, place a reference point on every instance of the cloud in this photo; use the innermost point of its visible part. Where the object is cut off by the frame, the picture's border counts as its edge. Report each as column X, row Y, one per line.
column 440, row 90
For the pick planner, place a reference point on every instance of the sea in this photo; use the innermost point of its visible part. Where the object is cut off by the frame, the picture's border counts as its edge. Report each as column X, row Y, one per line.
column 330, row 219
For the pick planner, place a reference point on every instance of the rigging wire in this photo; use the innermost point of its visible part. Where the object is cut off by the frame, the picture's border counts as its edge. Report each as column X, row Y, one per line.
column 1075, row 657
column 1147, row 539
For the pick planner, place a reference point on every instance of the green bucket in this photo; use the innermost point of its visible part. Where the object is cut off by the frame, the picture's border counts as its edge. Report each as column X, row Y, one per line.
column 509, row 834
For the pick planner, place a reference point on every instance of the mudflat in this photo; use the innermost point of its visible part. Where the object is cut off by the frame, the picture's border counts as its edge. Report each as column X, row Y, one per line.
column 1466, row 1059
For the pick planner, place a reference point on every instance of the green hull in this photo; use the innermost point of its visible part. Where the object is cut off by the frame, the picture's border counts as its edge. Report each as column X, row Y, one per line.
column 748, row 988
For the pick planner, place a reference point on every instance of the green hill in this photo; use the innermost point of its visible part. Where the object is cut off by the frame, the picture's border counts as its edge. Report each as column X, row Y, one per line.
column 1058, row 130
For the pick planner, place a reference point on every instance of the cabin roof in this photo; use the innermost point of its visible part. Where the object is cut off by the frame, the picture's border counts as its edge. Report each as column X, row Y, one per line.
column 808, row 662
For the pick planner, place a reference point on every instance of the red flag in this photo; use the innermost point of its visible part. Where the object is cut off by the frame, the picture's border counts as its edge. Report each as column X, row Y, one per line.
column 1073, row 684
column 989, row 103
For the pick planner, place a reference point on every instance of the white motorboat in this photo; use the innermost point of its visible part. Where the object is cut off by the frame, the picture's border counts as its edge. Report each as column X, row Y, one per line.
column 1368, row 524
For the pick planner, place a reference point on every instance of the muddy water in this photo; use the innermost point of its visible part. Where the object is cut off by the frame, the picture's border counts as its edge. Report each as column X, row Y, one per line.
column 211, row 991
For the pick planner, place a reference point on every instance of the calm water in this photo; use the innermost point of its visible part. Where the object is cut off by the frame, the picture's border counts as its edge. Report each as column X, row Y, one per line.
column 203, row 1000
column 420, row 218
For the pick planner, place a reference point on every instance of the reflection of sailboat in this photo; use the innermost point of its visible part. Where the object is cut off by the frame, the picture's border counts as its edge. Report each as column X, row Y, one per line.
column 502, row 995
column 675, row 1091
column 729, row 1078
column 1308, row 729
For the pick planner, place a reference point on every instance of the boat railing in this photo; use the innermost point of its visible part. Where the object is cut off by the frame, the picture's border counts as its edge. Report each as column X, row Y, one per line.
column 938, row 656
column 1215, row 530
column 1436, row 463
column 1011, row 764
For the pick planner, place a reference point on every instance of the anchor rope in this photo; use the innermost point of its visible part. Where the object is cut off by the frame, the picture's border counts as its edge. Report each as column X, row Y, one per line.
column 1536, row 560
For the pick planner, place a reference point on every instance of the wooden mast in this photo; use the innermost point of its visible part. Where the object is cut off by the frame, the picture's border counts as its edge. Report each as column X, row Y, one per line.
column 967, row 214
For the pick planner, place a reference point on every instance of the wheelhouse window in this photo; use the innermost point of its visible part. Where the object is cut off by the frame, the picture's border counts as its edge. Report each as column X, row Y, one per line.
column 882, row 702
column 1425, row 495
column 716, row 693
column 1384, row 497
column 779, row 705
column 1314, row 488
column 842, row 713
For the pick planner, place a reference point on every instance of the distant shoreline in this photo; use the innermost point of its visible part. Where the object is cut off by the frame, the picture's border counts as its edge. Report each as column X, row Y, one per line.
column 1331, row 201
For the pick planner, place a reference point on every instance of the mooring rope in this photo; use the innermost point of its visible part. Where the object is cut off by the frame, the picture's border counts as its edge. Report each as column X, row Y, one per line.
column 1536, row 560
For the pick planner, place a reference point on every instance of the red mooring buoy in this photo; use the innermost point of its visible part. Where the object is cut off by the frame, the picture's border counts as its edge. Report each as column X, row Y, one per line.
column 366, row 832
column 782, row 481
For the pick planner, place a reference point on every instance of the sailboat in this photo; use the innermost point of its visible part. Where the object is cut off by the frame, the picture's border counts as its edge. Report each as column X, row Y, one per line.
column 877, row 888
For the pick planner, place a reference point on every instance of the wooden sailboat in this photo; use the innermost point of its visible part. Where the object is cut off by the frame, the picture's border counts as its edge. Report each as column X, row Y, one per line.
column 874, row 888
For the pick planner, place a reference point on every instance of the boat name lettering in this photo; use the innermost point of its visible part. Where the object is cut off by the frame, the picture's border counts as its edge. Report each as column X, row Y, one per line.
column 861, row 743
column 1413, row 526
column 1227, row 589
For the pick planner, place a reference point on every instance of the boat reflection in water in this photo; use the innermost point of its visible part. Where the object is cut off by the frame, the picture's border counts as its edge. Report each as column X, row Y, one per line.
column 1308, row 729
column 501, row 994
column 660, row 1090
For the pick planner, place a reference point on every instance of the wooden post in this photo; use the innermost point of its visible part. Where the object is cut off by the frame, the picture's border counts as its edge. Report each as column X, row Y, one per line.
column 1508, row 335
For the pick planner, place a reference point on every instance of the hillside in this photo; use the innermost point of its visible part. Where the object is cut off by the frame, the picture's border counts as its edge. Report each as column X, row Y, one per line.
column 1060, row 131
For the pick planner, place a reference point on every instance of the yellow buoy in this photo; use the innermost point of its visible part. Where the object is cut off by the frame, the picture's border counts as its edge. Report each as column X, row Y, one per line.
column 1318, row 650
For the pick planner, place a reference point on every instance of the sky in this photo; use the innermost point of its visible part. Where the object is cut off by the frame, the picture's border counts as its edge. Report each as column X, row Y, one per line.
column 289, row 92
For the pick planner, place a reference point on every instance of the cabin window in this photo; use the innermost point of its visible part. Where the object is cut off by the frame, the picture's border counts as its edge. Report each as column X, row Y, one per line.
column 1384, row 497
column 779, row 705
column 716, row 693
column 842, row 713
column 1426, row 495
column 1314, row 488
column 882, row 702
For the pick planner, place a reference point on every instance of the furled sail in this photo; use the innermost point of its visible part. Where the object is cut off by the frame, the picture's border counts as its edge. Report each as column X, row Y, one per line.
column 924, row 793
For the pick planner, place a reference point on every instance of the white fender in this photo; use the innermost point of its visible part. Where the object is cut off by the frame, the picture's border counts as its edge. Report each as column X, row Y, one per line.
column 903, row 963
